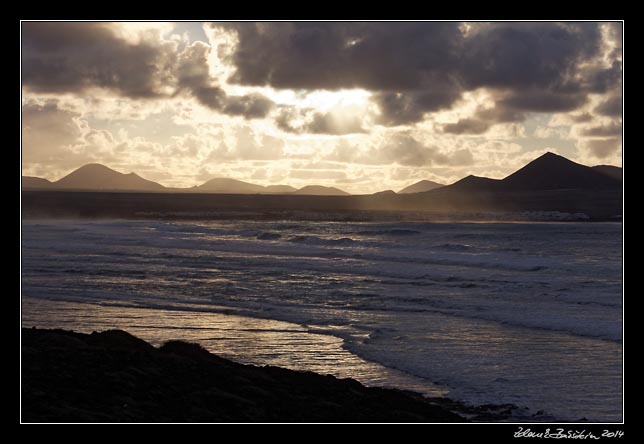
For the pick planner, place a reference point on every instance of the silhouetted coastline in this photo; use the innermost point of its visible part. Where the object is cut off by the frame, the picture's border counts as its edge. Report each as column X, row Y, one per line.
column 113, row 376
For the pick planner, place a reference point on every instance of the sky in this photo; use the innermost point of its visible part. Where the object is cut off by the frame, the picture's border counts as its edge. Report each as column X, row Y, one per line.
column 363, row 106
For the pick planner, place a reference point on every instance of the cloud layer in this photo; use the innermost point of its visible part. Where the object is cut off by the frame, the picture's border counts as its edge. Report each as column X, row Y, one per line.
column 76, row 57
column 418, row 68
column 368, row 105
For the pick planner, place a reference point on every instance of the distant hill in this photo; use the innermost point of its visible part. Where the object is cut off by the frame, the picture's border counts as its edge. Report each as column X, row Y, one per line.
column 96, row 177
column 553, row 172
column 228, row 186
column 421, row 187
column 473, row 183
column 609, row 170
column 279, row 189
column 29, row 182
column 319, row 190
column 550, row 184
column 385, row 193
column 232, row 186
column 547, row 172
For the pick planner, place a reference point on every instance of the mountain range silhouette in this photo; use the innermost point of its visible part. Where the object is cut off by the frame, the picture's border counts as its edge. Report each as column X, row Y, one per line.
column 548, row 172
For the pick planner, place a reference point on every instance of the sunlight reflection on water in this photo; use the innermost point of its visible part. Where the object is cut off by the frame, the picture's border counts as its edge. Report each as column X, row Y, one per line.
column 243, row 339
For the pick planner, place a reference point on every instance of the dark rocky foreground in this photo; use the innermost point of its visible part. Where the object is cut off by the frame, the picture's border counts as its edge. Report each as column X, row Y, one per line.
column 115, row 377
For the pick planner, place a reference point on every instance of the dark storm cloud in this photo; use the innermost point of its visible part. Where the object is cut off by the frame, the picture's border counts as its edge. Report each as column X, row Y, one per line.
column 581, row 118
column 616, row 33
column 604, row 80
column 193, row 76
column 250, row 106
column 336, row 55
column 398, row 109
column 211, row 96
column 404, row 108
column 603, row 147
column 409, row 64
column 467, row 126
column 501, row 113
column 543, row 101
column 528, row 55
column 611, row 107
column 484, row 119
column 284, row 120
column 513, row 108
column 71, row 57
column 614, row 129
column 411, row 68
column 416, row 68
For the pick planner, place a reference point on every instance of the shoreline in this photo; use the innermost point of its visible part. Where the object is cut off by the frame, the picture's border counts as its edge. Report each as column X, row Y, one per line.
column 546, row 206
column 114, row 376
column 255, row 342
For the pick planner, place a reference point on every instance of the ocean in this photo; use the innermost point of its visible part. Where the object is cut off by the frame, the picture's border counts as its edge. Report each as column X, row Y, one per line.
column 522, row 313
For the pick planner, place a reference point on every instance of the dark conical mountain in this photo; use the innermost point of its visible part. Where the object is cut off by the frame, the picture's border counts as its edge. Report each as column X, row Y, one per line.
column 547, row 172
column 552, row 172
column 95, row 176
column 421, row 187
column 609, row 170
